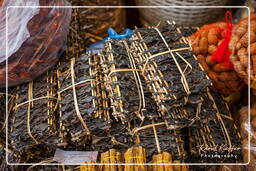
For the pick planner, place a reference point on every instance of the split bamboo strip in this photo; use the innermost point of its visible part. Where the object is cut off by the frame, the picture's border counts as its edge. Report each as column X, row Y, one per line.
column 137, row 156
column 163, row 158
column 87, row 167
column 180, row 167
column 112, row 156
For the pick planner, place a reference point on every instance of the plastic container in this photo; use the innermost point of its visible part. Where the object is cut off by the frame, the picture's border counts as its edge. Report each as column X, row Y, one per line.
column 36, row 38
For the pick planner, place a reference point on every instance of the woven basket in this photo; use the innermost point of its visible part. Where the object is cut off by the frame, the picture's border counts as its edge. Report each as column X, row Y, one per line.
column 186, row 16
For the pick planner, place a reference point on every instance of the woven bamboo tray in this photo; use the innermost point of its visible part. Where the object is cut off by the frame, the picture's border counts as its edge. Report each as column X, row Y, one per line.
column 186, row 16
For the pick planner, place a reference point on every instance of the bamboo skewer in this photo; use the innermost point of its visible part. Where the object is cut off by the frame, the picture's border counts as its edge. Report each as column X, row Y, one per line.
column 111, row 156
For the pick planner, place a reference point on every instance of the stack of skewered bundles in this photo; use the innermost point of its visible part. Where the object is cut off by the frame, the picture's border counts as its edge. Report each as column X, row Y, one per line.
column 133, row 106
column 36, row 107
column 120, row 98
column 172, row 74
column 220, row 133
column 119, row 75
column 79, row 92
column 33, row 120
column 128, row 91
column 83, row 110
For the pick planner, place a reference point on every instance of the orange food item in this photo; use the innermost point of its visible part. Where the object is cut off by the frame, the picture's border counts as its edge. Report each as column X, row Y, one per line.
column 209, row 61
column 202, row 61
column 211, row 49
column 204, row 33
column 213, row 76
column 224, row 76
column 219, row 68
column 219, row 85
column 203, row 45
column 253, row 48
column 243, row 55
column 212, row 37
column 254, row 64
column 196, row 50
column 233, row 84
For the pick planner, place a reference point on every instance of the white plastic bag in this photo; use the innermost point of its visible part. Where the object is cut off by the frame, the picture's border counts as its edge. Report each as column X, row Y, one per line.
column 36, row 38
column 17, row 25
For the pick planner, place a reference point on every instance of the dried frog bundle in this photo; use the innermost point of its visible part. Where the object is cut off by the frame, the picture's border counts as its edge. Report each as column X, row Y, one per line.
column 3, row 116
column 169, row 67
column 118, row 137
column 33, row 119
column 202, row 113
column 219, row 136
column 126, row 87
column 3, row 163
column 34, row 154
column 156, row 138
column 187, row 31
column 75, row 41
column 94, row 22
column 81, row 108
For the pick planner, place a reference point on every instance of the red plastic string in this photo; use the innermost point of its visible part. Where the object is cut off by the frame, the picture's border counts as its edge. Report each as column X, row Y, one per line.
column 222, row 53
